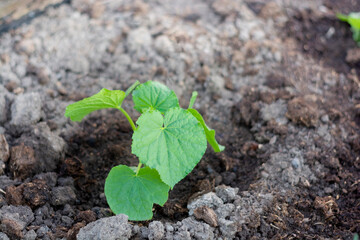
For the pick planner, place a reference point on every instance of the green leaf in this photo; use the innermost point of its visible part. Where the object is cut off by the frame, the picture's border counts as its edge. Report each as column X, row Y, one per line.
column 134, row 195
column 154, row 95
column 354, row 20
column 104, row 99
column 172, row 144
column 210, row 133
column 342, row 17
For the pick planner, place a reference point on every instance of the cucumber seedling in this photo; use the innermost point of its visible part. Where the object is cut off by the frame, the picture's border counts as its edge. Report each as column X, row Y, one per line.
column 168, row 140
column 354, row 20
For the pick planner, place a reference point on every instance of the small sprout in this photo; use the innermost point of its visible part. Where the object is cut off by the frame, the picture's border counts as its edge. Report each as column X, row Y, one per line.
column 354, row 20
column 168, row 140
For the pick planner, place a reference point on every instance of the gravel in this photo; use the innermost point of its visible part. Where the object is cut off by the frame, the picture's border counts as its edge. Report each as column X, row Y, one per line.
column 219, row 48
column 156, row 230
column 3, row 110
column 62, row 195
column 110, row 228
column 210, row 200
column 4, row 149
column 26, row 110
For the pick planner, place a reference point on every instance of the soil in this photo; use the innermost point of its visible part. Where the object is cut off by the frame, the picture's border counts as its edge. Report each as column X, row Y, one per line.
column 278, row 82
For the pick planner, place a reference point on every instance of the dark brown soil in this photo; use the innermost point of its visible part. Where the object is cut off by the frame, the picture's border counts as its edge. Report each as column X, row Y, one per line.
column 106, row 142
column 333, row 217
column 329, row 208
column 324, row 38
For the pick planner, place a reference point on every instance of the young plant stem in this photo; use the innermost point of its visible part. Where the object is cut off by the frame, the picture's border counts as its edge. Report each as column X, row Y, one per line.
column 133, row 127
column 138, row 168
column 193, row 99
column 128, row 118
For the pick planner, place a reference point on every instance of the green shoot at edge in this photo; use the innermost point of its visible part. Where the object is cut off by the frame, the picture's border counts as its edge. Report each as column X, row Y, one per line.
column 168, row 140
column 354, row 20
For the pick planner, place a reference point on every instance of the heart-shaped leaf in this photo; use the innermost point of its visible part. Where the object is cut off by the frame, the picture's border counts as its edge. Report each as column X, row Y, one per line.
column 134, row 195
column 172, row 144
column 154, row 95
column 103, row 99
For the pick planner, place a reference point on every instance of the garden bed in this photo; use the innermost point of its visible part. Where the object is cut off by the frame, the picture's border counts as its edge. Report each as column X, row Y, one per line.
column 275, row 80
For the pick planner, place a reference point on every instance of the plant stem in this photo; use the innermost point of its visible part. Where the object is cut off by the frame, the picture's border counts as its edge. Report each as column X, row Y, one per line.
column 193, row 99
column 138, row 168
column 128, row 118
column 134, row 128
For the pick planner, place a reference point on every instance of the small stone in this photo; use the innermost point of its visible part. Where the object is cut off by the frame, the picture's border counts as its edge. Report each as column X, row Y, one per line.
column 14, row 219
column 68, row 210
column 225, row 7
column 2, row 167
column 30, row 235
column 97, row 9
column 26, row 109
column 61, row 89
column 42, row 231
column 78, row 63
column 144, row 232
column 353, row 55
column 164, row 46
column 3, row 236
column 228, row 228
column 295, row 163
column 66, row 181
column 275, row 81
column 4, row 149
column 274, row 111
column 169, row 227
column 11, row 228
column 87, row 216
column 14, row 195
column 36, row 193
column 102, row 212
column 225, row 210
column 228, row 177
column 325, row 118
column 2, row 109
column 2, row 200
column 50, row 178
column 48, row 146
column 216, row 84
column 302, row 111
column 209, row 199
column 71, row 235
column 156, row 230
column 42, row 73
column 62, row 195
column 22, row 162
column 5, row 182
column 138, row 39
column 26, row 46
column 207, row 214
column 111, row 228
column 227, row 194
column 182, row 235
column 67, row 221
column 12, row 84
column 271, row 10
column 197, row 230
column 94, row 8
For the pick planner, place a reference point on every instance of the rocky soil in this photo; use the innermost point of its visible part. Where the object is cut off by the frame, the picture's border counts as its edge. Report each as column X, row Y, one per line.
column 278, row 80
